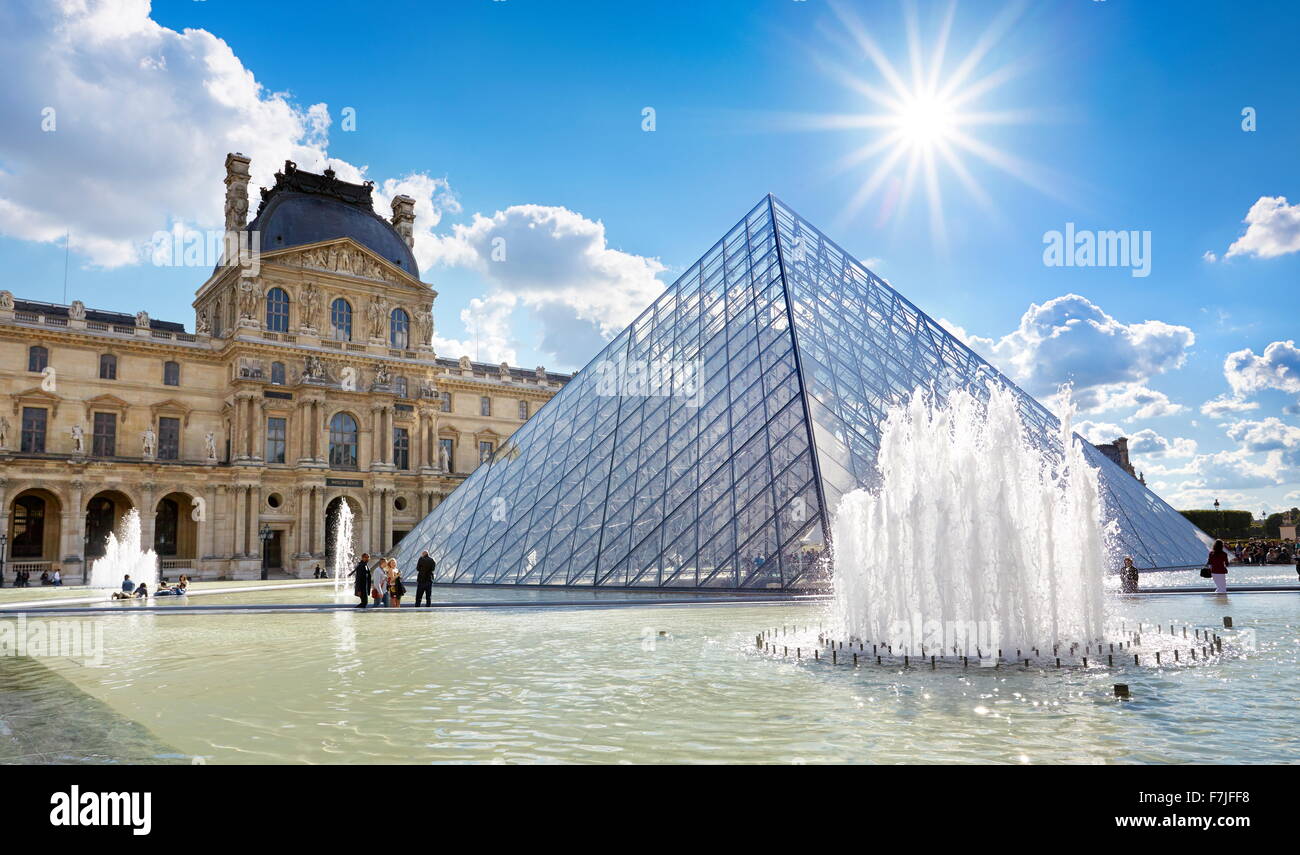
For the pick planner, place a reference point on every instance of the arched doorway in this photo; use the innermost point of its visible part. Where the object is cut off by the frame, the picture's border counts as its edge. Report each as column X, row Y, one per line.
column 175, row 534
column 35, row 525
column 104, row 513
column 332, row 511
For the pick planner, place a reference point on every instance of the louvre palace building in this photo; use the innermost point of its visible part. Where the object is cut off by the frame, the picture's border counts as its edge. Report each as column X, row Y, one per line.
column 307, row 382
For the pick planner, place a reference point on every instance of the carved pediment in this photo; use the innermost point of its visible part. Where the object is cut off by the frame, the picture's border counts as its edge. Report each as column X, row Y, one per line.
column 342, row 256
column 36, row 397
column 102, row 403
column 170, row 407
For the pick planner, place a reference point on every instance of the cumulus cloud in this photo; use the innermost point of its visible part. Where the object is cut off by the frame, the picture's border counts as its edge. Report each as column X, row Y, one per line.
column 1272, row 229
column 1149, row 443
column 117, row 127
column 1225, row 405
column 1270, row 434
column 1146, row 403
column 559, row 264
column 1277, row 368
column 1099, row 433
column 1234, row 469
column 487, row 322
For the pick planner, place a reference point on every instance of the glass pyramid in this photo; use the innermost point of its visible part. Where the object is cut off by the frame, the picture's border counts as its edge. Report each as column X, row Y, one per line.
column 700, row 448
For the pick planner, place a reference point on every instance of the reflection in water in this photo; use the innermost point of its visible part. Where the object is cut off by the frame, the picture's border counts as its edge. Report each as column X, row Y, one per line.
column 522, row 685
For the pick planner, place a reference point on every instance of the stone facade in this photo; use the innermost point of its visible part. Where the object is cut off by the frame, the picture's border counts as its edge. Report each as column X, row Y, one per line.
column 260, row 422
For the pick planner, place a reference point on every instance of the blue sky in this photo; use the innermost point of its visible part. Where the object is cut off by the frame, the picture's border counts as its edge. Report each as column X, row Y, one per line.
column 525, row 119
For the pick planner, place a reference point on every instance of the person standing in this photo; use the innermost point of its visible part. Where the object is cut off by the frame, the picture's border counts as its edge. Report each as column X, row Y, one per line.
column 379, row 584
column 1218, row 562
column 396, row 588
column 1128, row 576
column 361, row 587
column 424, row 570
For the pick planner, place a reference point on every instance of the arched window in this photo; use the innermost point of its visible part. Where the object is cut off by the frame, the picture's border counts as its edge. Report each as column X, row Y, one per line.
column 277, row 373
column 166, row 527
column 277, row 310
column 37, row 358
column 343, row 441
column 400, row 387
column 341, row 320
column 107, row 367
column 29, row 527
column 171, row 373
column 399, row 328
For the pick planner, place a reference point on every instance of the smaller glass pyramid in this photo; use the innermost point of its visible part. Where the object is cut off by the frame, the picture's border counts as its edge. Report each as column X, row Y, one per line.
column 701, row 446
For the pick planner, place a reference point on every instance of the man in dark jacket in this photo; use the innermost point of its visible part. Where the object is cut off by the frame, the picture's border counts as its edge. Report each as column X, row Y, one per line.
column 424, row 578
column 361, row 587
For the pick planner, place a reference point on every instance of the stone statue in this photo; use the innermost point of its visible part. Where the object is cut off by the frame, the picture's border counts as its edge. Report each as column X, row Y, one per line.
column 423, row 327
column 77, row 311
column 382, row 376
column 4, row 433
column 78, row 439
column 149, row 440
column 142, row 320
column 248, row 299
column 210, row 442
column 505, row 370
column 465, row 364
column 313, row 368
column 444, row 459
column 541, row 372
column 202, row 325
column 310, row 306
column 376, row 312
column 6, row 300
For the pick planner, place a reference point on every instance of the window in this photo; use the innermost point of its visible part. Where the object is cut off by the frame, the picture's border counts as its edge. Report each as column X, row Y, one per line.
column 448, row 453
column 400, row 387
column 485, row 406
column 29, row 527
column 276, row 432
column 33, row 440
column 171, row 374
column 166, row 525
column 341, row 320
column 277, row 373
column 277, row 310
column 401, row 448
column 104, row 443
column 399, row 328
column 523, row 411
column 485, row 451
column 107, row 367
column 446, row 402
column 37, row 358
column 343, row 441
column 169, row 438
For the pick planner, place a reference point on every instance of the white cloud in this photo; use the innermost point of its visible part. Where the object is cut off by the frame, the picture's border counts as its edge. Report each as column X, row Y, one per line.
column 1277, row 368
column 1292, row 496
column 487, row 320
column 1151, row 444
column 144, row 116
column 1147, row 403
column 1222, row 470
column 1099, row 433
column 559, row 264
column 1209, row 257
column 1069, row 338
column 1270, row 434
column 1272, row 229
column 1225, row 405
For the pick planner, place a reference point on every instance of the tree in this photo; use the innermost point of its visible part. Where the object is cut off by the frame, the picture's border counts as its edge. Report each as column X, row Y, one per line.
column 1232, row 525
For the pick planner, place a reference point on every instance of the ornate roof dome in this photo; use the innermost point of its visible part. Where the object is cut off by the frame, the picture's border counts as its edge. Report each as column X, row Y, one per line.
column 304, row 208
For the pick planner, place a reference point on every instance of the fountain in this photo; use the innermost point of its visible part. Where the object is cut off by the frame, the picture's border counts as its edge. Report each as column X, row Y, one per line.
column 975, row 538
column 123, row 556
column 342, row 552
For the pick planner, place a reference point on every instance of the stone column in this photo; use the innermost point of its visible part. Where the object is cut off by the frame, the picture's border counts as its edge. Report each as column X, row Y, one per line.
column 317, row 521
column 74, row 532
column 385, row 518
column 239, row 504
column 148, row 515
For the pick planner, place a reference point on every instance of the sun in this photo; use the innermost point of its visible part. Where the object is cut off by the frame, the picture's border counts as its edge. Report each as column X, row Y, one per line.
column 922, row 118
column 927, row 120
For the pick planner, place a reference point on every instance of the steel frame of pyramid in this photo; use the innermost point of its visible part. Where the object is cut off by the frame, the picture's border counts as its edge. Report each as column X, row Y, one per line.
column 700, row 447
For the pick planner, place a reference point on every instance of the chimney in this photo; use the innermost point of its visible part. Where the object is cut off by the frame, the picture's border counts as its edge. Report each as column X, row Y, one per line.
column 236, row 191
column 404, row 218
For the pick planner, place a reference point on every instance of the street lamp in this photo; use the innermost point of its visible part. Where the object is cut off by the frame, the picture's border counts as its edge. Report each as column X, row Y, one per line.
column 265, row 535
column 4, row 542
column 1218, row 534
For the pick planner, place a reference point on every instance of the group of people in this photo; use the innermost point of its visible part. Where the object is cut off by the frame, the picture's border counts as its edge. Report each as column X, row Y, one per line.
column 1259, row 553
column 131, row 591
column 382, row 584
column 23, row 578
